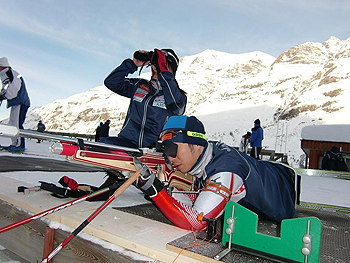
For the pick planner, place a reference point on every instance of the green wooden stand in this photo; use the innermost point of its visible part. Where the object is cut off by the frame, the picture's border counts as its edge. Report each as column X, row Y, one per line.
column 299, row 241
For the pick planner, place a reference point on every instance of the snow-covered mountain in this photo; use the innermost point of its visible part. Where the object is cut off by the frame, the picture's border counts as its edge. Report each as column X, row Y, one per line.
column 308, row 84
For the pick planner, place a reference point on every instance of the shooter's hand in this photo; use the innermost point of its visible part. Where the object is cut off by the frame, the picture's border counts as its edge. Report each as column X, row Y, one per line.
column 148, row 181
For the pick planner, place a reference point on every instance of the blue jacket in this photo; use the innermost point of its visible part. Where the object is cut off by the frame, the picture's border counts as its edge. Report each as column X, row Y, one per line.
column 151, row 103
column 257, row 136
column 270, row 191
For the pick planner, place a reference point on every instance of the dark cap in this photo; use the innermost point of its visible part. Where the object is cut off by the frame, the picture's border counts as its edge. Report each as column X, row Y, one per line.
column 189, row 130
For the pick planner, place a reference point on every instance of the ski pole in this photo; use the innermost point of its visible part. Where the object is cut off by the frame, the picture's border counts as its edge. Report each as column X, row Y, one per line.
column 57, row 208
column 117, row 193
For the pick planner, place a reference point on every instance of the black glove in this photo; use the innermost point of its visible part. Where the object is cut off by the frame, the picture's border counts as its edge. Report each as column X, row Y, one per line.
column 159, row 61
column 2, row 97
column 148, row 182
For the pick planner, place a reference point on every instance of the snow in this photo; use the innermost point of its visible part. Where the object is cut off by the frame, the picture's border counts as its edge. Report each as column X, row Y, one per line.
column 130, row 197
column 327, row 133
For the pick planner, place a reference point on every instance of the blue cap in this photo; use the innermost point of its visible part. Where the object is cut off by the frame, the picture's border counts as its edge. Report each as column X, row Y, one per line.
column 189, row 130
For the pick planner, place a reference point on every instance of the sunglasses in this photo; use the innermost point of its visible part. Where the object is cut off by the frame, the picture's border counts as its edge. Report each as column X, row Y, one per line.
column 167, row 135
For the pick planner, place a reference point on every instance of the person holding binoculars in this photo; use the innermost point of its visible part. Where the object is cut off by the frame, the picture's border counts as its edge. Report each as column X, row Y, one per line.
column 152, row 102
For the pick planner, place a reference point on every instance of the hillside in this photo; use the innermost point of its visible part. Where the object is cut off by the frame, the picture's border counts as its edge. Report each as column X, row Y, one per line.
column 307, row 84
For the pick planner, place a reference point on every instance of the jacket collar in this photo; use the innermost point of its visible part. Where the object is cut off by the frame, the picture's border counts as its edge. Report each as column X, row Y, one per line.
column 198, row 169
column 156, row 85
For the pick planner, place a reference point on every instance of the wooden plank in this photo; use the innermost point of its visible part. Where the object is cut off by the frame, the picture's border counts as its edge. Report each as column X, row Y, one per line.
column 48, row 242
column 191, row 254
column 27, row 241
column 132, row 233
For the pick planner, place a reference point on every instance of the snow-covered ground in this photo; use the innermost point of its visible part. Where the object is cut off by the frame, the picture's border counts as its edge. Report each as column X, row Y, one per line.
column 132, row 196
column 314, row 189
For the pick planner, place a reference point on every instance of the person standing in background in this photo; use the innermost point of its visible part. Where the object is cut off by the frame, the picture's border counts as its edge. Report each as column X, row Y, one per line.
column 15, row 92
column 98, row 132
column 243, row 146
column 40, row 128
column 256, row 139
column 104, row 131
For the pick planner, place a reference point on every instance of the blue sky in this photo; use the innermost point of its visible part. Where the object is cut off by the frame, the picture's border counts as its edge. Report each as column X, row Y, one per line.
column 64, row 47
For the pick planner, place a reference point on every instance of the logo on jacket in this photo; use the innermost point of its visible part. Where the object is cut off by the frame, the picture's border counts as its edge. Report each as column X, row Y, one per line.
column 159, row 102
column 141, row 93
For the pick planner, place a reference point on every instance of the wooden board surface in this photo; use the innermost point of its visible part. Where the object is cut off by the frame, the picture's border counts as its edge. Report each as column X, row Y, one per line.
column 135, row 233
column 27, row 241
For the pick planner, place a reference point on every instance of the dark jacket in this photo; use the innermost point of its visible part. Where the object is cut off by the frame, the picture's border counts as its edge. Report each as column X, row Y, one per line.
column 41, row 127
column 151, row 103
column 270, row 191
column 334, row 161
column 104, row 130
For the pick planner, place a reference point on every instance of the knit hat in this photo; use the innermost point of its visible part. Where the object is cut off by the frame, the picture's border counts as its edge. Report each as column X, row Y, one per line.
column 257, row 121
column 184, row 129
column 4, row 62
column 171, row 58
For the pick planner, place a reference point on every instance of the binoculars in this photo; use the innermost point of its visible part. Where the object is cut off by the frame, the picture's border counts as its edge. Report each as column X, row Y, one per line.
column 144, row 56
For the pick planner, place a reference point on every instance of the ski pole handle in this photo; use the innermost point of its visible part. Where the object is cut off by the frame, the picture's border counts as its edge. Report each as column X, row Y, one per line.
column 127, row 183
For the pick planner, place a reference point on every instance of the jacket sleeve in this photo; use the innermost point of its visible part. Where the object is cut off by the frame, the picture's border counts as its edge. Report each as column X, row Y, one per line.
column 175, row 100
column 12, row 85
column 118, row 82
column 207, row 203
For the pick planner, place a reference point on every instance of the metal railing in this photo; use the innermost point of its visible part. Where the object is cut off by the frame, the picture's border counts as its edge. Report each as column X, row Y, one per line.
column 89, row 137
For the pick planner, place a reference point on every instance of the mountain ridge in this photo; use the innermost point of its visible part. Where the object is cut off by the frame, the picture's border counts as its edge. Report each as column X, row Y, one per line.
column 307, row 84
